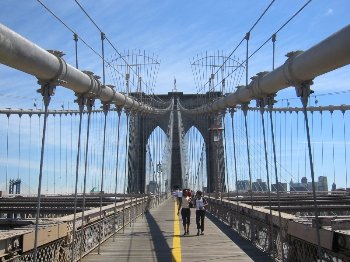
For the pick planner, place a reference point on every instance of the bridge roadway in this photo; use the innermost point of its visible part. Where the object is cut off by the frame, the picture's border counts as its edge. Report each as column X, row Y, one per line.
column 158, row 236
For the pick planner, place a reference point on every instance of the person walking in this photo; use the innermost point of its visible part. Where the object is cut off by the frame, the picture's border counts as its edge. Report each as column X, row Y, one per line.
column 179, row 196
column 201, row 204
column 174, row 195
column 185, row 211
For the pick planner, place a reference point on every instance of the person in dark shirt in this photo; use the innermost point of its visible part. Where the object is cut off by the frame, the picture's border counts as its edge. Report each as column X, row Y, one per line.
column 201, row 204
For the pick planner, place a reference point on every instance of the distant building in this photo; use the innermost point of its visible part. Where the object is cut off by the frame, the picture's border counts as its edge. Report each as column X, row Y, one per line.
column 282, row 187
column 334, row 187
column 320, row 185
column 259, row 186
column 299, row 186
column 243, row 185
column 303, row 180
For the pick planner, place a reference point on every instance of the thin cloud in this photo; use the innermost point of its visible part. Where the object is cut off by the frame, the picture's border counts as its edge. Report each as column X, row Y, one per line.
column 329, row 12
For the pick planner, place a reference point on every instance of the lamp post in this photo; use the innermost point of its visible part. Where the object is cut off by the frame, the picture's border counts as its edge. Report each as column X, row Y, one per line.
column 159, row 185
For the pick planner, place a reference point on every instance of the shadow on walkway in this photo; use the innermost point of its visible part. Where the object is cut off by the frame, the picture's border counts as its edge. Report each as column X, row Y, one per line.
column 161, row 247
column 253, row 252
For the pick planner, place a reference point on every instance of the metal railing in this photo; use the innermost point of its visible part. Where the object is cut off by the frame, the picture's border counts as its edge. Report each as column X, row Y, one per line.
column 58, row 232
column 298, row 238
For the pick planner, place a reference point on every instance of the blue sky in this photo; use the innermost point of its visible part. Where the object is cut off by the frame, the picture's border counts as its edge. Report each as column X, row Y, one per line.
column 175, row 32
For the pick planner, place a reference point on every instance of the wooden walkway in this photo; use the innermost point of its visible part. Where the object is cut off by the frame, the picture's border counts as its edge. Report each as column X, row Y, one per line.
column 156, row 237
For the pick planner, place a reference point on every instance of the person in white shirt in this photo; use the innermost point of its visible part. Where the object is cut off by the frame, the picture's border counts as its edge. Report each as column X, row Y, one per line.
column 201, row 204
column 179, row 196
column 185, row 211
column 174, row 195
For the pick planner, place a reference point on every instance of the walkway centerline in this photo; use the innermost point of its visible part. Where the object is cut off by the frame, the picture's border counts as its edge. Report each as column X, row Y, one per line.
column 176, row 252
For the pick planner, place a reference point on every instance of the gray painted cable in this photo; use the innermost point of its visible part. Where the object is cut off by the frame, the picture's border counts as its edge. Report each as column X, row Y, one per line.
column 47, row 101
column 277, row 182
column 85, row 174
column 102, row 180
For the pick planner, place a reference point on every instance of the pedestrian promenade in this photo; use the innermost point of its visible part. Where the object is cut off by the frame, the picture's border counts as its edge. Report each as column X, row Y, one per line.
column 158, row 236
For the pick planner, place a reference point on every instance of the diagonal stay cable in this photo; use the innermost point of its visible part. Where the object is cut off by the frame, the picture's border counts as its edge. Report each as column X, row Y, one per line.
column 115, row 49
column 69, row 28
column 279, row 29
column 238, row 45
column 78, row 37
column 262, row 45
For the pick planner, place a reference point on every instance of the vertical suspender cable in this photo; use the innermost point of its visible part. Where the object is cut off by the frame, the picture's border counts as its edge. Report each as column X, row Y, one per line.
column 81, row 108
column 262, row 111
column 75, row 38
column 158, row 170
column 7, row 150
column 273, row 38
column 60, row 148
column 333, row 147
column 54, row 154
column 192, row 156
column 208, row 161
column 66, row 173
column 247, row 36
column 322, row 142
column 116, row 174
column 345, row 151
column 252, row 227
column 312, row 128
column 93, row 148
column 46, row 91
column 298, row 144
column 235, row 164
column 285, row 140
column 126, row 164
column 276, row 177
column 71, row 145
column 47, row 171
column 245, row 111
column 29, row 152
column 225, row 155
column 19, row 144
column 89, row 105
column 304, row 99
column 305, row 156
column 291, row 148
column 80, row 101
column 105, row 111
column 280, row 143
column 267, row 172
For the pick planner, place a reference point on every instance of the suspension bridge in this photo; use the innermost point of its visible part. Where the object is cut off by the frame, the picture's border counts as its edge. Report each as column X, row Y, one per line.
column 93, row 178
